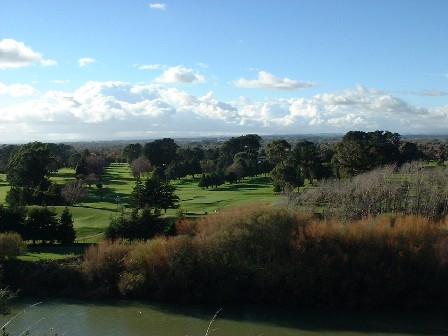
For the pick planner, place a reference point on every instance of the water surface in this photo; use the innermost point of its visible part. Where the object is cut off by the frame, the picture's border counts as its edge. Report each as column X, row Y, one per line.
column 80, row 318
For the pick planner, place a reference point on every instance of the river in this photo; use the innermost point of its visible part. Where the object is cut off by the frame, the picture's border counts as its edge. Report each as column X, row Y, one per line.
column 81, row 318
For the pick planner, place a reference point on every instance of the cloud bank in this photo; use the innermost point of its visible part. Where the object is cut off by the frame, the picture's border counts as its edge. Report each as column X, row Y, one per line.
column 111, row 110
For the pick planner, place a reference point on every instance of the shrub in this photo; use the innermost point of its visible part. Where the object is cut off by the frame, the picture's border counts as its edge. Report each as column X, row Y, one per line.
column 103, row 264
column 270, row 254
column 11, row 245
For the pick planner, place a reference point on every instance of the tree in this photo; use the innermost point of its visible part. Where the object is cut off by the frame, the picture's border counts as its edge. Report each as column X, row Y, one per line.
column 305, row 154
column 74, row 191
column 154, row 194
column 11, row 245
column 249, row 143
column 277, row 151
column 167, row 197
column 6, row 152
column 132, row 151
column 160, row 152
column 28, row 175
column 41, row 224
column 66, row 233
column 29, row 166
column 140, row 166
column 410, row 152
column 360, row 152
column 12, row 219
column 287, row 175
column 144, row 225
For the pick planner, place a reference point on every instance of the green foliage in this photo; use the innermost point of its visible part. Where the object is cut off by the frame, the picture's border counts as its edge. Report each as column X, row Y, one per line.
column 360, row 152
column 306, row 155
column 154, row 194
column 286, row 176
column 141, row 225
column 28, row 175
column 132, row 151
column 66, row 232
column 249, row 143
column 160, row 152
column 12, row 219
column 277, row 151
column 43, row 225
column 28, row 167
column 11, row 245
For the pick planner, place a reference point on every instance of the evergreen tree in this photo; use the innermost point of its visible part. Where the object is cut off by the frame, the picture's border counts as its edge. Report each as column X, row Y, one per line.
column 66, row 231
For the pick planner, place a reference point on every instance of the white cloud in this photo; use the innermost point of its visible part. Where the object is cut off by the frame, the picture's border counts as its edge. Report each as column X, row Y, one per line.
column 107, row 110
column 15, row 54
column 85, row 60
column 266, row 80
column 180, row 74
column 17, row 90
column 159, row 6
column 150, row 66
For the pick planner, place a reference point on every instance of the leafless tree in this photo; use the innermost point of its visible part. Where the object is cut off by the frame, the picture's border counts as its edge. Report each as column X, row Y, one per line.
column 74, row 191
column 140, row 166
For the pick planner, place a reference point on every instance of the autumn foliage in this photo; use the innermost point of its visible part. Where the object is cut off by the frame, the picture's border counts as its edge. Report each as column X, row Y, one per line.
column 273, row 255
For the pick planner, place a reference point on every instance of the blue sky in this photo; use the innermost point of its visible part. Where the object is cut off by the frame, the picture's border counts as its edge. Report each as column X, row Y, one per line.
column 86, row 70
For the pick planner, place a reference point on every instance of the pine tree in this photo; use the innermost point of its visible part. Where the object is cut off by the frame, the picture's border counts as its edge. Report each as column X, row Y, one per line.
column 66, row 231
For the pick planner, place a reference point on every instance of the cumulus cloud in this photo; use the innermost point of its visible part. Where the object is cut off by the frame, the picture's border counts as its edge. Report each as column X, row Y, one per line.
column 107, row 110
column 15, row 54
column 267, row 80
column 85, row 60
column 180, row 74
column 17, row 90
column 159, row 6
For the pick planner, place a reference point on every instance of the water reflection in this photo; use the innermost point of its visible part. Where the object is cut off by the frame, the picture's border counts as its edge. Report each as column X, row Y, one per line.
column 68, row 317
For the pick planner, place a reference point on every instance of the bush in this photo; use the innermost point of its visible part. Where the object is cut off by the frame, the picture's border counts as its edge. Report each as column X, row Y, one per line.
column 11, row 245
column 273, row 255
column 103, row 263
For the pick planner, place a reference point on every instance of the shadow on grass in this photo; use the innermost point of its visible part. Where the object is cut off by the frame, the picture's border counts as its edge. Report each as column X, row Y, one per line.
column 75, row 249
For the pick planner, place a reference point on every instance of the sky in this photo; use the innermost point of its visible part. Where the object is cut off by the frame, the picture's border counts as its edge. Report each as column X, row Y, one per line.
column 108, row 70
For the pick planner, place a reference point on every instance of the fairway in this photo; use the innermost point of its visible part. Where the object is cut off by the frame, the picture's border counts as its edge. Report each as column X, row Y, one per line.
column 201, row 201
column 4, row 187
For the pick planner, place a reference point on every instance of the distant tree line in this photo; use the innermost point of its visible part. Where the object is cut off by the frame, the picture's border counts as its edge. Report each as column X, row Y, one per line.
column 290, row 164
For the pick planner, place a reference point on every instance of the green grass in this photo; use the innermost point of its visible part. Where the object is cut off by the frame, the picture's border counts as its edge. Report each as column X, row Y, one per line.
column 4, row 187
column 54, row 252
column 200, row 201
